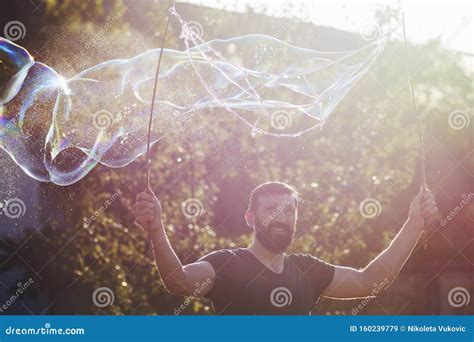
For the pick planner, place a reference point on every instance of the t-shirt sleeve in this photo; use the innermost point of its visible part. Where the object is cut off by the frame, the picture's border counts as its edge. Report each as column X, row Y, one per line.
column 318, row 272
column 219, row 261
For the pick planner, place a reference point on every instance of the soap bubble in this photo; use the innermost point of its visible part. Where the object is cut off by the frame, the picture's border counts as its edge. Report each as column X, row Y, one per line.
column 58, row 129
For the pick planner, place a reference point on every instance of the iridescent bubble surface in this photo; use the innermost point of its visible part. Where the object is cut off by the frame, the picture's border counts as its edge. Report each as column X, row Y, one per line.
column 58, row 129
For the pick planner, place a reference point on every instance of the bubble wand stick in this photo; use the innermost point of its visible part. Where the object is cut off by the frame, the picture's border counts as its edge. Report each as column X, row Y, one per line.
column 418, row 123
column 152, row 108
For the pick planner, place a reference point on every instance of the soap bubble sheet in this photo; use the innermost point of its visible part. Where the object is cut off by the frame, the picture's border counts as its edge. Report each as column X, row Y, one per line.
column 58, row 129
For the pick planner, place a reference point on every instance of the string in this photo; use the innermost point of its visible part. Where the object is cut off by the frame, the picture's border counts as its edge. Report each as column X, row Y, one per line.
column 418, row 123
column 152, row 107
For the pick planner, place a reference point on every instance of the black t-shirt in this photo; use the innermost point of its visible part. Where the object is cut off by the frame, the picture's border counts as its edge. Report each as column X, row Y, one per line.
column 245, row 286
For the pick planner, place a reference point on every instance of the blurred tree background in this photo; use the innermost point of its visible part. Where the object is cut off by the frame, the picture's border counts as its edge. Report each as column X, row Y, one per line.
column 368, row 149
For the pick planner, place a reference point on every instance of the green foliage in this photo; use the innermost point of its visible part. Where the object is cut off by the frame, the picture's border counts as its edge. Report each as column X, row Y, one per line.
column 212, row 157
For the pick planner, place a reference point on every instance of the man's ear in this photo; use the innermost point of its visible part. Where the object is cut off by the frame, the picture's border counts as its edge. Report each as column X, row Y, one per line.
column 250, row 218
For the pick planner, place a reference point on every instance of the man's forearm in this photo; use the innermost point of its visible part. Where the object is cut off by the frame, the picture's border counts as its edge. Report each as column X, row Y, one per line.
column 168, row 264
column 389, row 263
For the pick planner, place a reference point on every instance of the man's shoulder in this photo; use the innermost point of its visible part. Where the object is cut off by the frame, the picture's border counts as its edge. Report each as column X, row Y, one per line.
column 222, row 254
column 223, row 261
column 304, row 259
column 310, row 264
column 300, row 256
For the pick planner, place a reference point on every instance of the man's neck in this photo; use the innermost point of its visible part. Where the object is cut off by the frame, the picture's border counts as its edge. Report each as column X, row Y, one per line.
column 274, row 261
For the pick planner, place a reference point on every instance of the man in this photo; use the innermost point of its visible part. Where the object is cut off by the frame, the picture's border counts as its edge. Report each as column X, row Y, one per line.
column 262, row 279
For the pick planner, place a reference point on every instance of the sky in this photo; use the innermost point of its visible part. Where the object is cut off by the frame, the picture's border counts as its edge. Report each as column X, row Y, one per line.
column 452, row 21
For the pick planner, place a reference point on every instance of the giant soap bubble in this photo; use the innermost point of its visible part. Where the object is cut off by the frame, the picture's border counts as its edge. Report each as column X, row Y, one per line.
column 58, row 129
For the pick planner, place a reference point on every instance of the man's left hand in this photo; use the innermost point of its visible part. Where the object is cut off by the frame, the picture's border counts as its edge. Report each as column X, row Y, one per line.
column 423, row 207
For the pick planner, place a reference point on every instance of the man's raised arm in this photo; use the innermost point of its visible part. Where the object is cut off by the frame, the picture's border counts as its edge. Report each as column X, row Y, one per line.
column 177, row 279
column 351, row 283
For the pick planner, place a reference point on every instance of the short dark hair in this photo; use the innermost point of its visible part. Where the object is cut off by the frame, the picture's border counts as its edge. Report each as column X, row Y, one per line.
column 271, row 188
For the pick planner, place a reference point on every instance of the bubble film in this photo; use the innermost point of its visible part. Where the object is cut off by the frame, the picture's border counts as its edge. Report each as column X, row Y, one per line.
column 58, row 129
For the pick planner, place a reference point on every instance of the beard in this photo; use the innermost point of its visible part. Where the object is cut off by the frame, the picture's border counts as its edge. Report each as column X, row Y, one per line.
column 276, row 242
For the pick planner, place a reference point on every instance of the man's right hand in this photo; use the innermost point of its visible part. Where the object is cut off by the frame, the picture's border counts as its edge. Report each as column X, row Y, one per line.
column 147, row 209
column 178, row 279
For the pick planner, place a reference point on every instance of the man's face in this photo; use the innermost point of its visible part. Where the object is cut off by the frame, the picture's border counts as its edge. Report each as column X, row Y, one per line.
column 275, row 221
